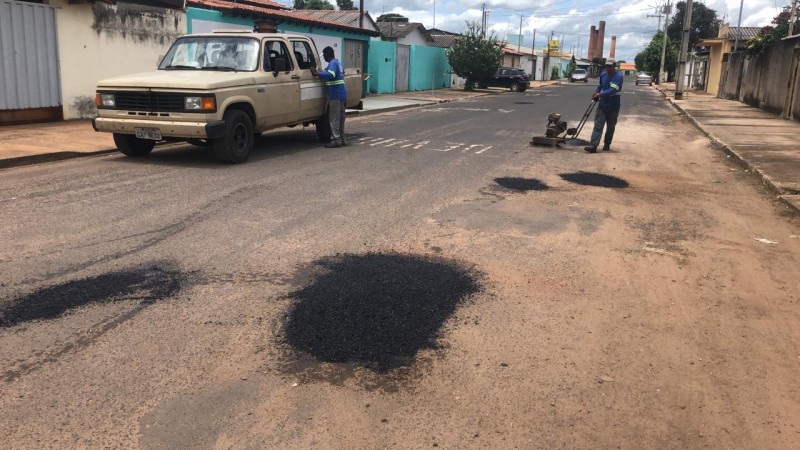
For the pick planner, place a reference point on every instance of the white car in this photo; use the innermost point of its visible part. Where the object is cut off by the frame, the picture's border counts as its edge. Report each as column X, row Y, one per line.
column 644, row 78
column 578, row 75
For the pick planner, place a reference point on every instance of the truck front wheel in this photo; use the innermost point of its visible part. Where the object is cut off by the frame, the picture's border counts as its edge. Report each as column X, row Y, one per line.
column 237, row 143
column 130, row 145
column 323, row 125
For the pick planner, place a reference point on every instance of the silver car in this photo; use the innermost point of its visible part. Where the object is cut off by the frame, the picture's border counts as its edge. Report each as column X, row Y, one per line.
column 578, row 75
column 644, row 78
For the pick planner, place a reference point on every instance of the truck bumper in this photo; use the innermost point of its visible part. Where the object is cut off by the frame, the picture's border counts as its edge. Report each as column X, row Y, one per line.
column 188, row 130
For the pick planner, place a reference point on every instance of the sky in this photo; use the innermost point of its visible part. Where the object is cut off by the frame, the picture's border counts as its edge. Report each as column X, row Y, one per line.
column 568, row 20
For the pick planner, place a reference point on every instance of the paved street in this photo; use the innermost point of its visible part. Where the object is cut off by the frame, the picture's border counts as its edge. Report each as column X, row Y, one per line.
column 438, row 282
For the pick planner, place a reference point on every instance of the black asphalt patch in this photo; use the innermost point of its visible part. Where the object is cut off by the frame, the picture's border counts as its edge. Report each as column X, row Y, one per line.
column 521, row 184
column 376, row 310
column 146, row 286
column 594, row 179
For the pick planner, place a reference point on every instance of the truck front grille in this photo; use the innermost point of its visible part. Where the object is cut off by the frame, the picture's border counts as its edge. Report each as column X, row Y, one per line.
column 149, row 101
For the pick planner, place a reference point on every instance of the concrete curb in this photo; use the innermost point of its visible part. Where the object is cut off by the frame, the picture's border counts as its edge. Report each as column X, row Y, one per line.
column 48, row 157
column 792, row 201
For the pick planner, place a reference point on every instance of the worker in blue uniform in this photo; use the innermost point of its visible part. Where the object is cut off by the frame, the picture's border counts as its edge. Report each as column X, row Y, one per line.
column 333, row 76
column 608, row 93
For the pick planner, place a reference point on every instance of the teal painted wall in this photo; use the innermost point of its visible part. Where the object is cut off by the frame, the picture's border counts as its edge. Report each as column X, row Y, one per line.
column 213, row 16
column 429, row 69
column 381, row 63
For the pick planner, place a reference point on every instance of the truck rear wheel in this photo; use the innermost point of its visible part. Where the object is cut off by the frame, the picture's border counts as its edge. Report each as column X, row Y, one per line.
column 323, row 125
column 130, row 145
column 237, row 143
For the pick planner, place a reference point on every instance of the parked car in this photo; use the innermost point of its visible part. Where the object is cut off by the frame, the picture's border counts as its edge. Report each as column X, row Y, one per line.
column 220, row 90
column 508, row 77
column 644, row 78
column 579, row 75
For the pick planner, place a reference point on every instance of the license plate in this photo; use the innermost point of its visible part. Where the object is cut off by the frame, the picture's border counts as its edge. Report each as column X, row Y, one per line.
column 153, row 134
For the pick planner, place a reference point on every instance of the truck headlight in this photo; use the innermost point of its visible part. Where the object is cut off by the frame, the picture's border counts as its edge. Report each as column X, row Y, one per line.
column 105, row 100
column 200, row 103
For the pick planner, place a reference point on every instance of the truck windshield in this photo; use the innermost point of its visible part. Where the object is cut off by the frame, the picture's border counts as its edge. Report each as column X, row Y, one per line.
column 212, row 53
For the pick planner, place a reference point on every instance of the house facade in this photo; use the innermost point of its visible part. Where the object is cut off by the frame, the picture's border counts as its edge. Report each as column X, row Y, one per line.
column 719, row 50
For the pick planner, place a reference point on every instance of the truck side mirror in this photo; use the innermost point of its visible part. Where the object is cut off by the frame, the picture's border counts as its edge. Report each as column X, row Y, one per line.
column 280, row 65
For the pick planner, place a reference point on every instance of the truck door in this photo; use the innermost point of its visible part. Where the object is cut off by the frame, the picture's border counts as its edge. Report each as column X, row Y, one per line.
column 312, row 91
column 279, row 100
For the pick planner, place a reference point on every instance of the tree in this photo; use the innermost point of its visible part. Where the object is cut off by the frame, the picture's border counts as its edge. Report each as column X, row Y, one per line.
column 649, row 60
column 474, row 56
column 345, row 5
column 391, row 17
column 772, row 33
column 312, row 4
column 705, row 23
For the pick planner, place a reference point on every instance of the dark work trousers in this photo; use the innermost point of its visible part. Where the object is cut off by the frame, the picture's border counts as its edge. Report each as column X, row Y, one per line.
column 336, row 116
column 609, row 119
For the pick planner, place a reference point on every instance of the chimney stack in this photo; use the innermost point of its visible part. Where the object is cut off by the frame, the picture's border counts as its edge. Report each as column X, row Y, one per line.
column 601, row 35
column 590, row 49
column 613, row 50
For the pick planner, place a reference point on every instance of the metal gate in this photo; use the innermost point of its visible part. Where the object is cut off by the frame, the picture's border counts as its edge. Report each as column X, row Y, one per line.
column 30, row 89
column 401, row 68
column 354, row 54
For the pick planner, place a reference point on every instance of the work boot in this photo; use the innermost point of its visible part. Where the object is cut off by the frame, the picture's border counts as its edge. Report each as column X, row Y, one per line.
column 591, row 148
column 607, row 148
column 333, row 145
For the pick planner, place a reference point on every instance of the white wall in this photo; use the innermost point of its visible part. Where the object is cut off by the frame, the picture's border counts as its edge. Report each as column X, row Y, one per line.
column 94, row 43
column 414, row 38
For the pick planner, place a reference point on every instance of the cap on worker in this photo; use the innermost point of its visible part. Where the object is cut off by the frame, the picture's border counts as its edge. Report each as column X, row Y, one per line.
column 611, row 62
column 327, row 51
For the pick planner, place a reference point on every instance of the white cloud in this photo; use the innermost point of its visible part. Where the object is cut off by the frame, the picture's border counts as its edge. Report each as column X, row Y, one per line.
column 627, row 19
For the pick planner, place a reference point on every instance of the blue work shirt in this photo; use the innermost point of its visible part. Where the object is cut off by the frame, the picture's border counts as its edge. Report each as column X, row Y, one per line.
column 333, row 76
column 610, row 89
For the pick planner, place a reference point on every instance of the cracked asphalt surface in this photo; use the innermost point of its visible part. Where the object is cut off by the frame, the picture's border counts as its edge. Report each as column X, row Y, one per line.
column 438, row 282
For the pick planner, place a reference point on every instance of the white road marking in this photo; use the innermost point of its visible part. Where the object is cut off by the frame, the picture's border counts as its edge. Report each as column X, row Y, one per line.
column 470, row 148
column 506, row 111
column 364, row 138
column 386, row 141
column 407, row 145
column 397, row 142
column 481, row 151
column 421, row 144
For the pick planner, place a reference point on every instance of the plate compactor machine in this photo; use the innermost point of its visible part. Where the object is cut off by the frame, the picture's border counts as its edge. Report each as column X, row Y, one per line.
column 557, row 131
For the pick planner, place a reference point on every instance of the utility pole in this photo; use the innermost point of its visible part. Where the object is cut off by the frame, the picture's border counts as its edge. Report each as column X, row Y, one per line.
column 659, row 15
column 687, row 27
column 519, row 42
column 548, row 58
column 661, row 75
column 738, row 29
column 533, row 50
column 792, row 17
column 434, row 13
column 483, row 19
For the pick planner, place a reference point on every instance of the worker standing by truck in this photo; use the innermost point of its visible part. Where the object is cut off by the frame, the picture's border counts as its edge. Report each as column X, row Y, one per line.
column 333, row 76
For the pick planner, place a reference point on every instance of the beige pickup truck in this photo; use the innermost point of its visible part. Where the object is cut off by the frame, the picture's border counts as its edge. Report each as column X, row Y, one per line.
column 221, row 90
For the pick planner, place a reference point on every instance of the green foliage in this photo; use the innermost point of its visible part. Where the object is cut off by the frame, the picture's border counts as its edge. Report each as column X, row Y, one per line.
column 554, row 74
column 391, row 17
column 705, row 24
column 345, row 5
column 570, row 68
column 649, row 60
column 312, row 4
column 772, row 33
column 475, row 57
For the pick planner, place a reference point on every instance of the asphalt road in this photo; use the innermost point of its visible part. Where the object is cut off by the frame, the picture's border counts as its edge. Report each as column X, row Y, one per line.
column 437, row 283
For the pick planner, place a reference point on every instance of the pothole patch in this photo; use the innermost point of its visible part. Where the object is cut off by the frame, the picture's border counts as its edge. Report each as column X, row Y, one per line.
column 145, row 285
column 595, row 179
column 521, row 184
column 376, row 310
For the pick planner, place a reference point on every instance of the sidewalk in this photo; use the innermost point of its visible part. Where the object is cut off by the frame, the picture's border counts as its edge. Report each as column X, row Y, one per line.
column 764, row 143
column 31, row 144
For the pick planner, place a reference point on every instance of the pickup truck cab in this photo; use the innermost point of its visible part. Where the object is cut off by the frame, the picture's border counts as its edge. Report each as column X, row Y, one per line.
column 222, row 90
